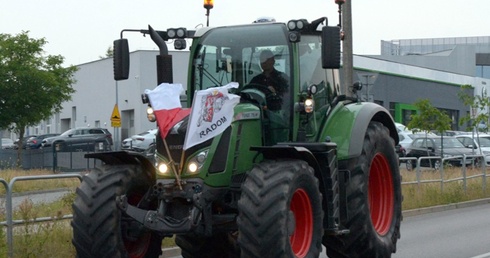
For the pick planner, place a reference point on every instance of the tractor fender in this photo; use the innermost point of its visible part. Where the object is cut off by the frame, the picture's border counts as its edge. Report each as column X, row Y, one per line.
column 114, row 158
column 288, row 152
column 346, row 126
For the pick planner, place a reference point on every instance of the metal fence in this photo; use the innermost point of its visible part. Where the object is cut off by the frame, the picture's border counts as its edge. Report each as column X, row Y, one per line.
column 68, row 159
column 465, row 159
column 10, row 223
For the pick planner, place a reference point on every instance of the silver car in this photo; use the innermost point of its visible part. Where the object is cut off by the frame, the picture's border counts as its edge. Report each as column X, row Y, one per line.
column 140, row 142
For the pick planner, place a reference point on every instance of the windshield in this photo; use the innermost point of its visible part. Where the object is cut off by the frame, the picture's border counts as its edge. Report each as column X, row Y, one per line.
column 449, row 143
column 232, row 54
column 484, row 141
column 67, row 133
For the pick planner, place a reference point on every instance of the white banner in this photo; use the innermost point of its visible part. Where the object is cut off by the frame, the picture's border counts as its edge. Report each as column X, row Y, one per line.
column 212, row 113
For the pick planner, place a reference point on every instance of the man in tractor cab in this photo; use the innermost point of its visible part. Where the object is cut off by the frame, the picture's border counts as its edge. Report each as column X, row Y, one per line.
column 276, row 82
column 275, row 85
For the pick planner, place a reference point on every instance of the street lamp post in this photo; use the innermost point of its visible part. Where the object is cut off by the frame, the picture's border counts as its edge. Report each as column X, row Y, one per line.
column 340, row 3
column 208, row 5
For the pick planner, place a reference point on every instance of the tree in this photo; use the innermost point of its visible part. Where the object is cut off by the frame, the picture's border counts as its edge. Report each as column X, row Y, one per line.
column 429, row 118
column 33, row 85
column 478, row 103
column 108, row 53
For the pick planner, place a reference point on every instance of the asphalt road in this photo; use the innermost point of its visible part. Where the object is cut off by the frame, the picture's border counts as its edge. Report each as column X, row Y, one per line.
column 458, row 233
column 454, row 231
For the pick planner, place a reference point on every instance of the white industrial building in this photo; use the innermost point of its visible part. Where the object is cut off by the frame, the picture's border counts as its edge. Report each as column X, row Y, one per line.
column 97, row 93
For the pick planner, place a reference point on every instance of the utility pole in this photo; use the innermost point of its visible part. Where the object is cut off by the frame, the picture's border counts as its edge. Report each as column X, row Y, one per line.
column 347, row 50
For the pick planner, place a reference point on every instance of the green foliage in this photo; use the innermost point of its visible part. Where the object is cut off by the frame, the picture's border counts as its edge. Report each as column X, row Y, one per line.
column 33, row 85
column 478, row 103
column 108, row 53
column 429, row 118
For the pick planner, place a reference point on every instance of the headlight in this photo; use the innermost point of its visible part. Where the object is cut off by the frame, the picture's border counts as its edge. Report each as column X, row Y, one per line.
column 163, row 169
column 196, row 162
column 150, row 114
column 309, row 105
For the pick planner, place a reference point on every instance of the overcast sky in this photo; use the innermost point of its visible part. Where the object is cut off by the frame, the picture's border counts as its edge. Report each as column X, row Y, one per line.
column 81, row 31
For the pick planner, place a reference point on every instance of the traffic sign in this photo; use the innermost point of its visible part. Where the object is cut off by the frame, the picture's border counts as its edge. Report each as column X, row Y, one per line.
column 115, row 117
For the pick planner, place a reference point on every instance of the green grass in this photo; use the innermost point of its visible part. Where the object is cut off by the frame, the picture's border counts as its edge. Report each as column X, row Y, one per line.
column 54, row 239
column 431, row 194
column 35, row 185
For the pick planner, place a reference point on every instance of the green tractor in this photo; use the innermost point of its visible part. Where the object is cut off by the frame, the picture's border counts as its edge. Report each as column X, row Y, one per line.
column 297, row 169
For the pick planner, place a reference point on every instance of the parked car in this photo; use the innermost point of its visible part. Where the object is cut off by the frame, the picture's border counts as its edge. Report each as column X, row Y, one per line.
column 433, row 146
column 8, row 143
column 81, row 139
column 406, row 137
column 24, row 142
column 480, row 144
column 35, row 142
column 402, row 152
column 448, row 133
column 140, row 142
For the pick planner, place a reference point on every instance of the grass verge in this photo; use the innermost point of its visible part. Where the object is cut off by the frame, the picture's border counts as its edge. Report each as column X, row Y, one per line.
column 54, row 239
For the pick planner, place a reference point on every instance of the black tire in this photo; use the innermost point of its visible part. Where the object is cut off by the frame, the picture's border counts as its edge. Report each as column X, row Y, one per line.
column 100, row 229
column 373, row 200
column 220, row 245
column 280, row 211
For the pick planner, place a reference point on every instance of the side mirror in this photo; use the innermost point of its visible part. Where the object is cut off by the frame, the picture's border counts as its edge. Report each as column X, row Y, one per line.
column 121, row 59
column 357, row 86
column 330, row 47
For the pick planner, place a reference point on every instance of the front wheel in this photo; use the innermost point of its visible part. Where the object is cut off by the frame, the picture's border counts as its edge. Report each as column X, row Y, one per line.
column 373, row 200
column 100, row 229
column 280, row 211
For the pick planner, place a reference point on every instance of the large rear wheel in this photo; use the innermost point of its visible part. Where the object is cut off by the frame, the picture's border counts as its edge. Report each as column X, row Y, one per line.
column 100, row 229
column 280, row 211
column 373, row 200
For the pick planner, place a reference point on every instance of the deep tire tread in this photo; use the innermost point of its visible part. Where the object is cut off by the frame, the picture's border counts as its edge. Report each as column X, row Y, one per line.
column 264, row 208
column 363, row 241
column 96, row 219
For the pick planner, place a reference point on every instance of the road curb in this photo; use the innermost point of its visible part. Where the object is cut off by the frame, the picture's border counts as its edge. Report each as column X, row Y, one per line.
column 446, row 207
column 170, row 252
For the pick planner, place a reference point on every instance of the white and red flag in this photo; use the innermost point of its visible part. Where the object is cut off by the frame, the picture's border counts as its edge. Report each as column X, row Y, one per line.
column 212, row 113
column 165, row 101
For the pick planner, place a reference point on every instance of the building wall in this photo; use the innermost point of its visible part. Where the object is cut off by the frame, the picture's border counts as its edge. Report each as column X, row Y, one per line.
column 93, row 102
column 398, row 84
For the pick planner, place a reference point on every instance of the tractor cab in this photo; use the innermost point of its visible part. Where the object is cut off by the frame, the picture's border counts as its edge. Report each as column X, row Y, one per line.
column 236, row 54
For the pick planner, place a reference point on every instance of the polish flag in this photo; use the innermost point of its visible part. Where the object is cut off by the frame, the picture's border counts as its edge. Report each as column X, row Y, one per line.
column 165, row 101
column 212, row 112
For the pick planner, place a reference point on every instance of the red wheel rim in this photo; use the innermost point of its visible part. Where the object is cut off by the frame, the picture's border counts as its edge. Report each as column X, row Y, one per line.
column 303, row 233
column 138, row 248
column 381, row 194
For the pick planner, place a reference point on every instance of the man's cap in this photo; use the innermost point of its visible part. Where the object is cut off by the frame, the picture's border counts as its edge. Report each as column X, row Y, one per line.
column 265, row 54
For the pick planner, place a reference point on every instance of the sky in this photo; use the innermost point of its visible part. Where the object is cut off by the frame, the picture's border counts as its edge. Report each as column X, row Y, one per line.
column 82, row 31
